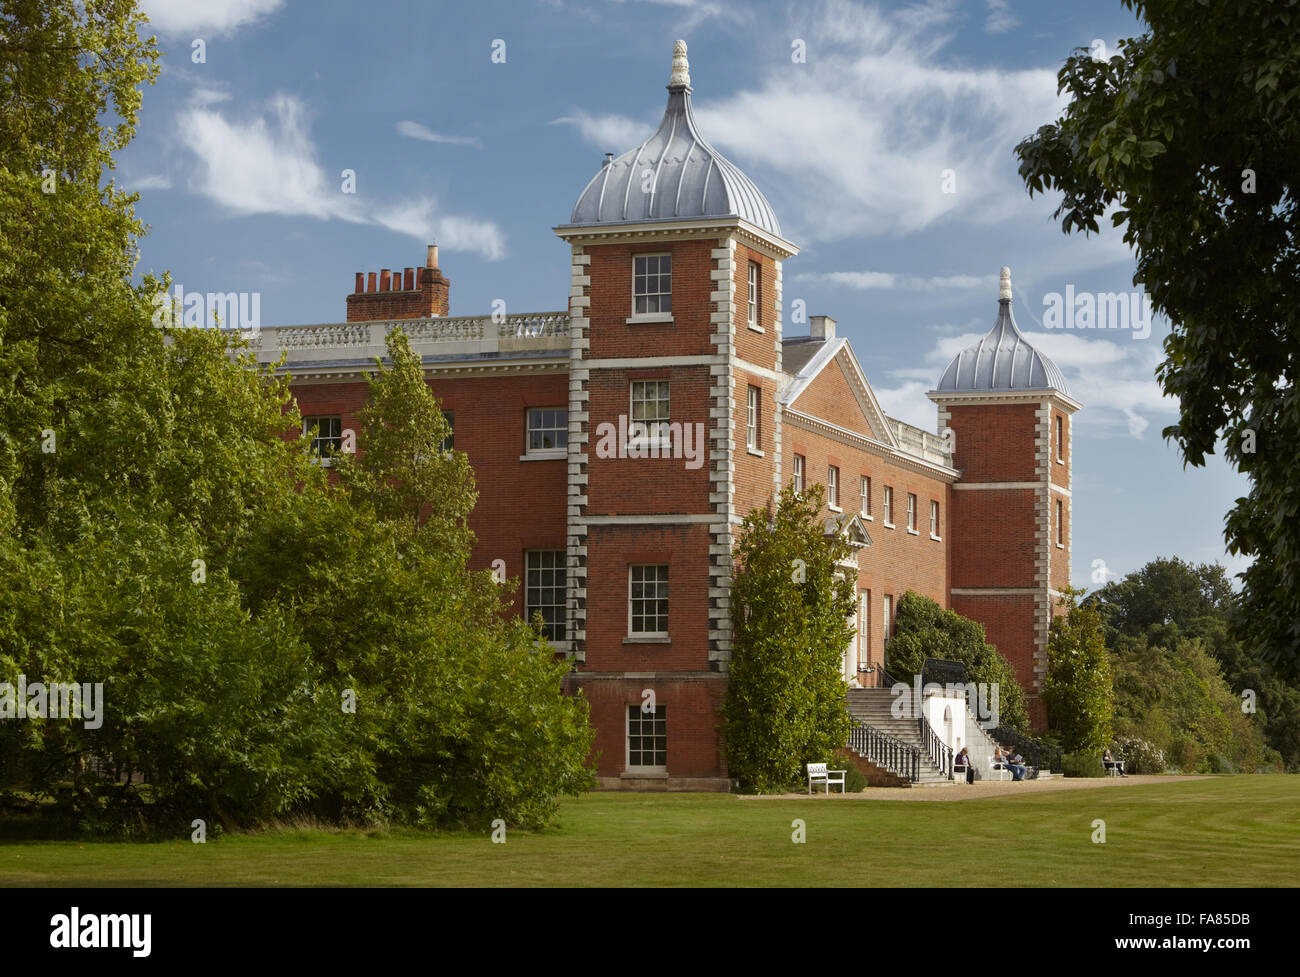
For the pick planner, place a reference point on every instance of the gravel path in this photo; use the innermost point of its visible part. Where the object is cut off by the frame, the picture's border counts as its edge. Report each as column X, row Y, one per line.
column 982, row 788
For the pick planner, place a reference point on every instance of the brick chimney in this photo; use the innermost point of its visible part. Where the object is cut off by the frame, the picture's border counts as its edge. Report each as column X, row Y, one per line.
column 405, row 294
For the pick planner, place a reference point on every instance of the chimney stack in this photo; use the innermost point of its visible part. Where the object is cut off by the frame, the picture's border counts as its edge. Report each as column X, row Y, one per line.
column 401, row 293
column 370, row 283
column 385, row 280
column 821, row 327
column 408, row 279
column 432, row 261
column 361, row 282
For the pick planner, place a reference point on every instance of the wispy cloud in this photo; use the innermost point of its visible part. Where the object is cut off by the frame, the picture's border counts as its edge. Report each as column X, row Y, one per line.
column 1000, row 18
column 218, row 17
column 867, row 280
column 415, row 130
column 858, row 140
column 267, row 164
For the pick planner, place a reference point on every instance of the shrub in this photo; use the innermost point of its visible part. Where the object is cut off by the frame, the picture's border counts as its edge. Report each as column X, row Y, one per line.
column 1082, row 765
column 855, row 781
column 1139, row 755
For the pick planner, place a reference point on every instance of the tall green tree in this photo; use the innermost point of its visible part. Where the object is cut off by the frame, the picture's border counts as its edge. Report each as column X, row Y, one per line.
column 1077, row 690
column 792, row 612
column 1188, row 136
column 923, row 629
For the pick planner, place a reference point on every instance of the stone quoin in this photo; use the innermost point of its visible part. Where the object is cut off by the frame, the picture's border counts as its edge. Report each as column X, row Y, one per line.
column 675, row 323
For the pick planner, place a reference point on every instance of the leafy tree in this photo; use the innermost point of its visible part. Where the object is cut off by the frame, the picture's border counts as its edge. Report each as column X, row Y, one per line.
column 792, row 609
column 1170, row 601
column 923, row 629
column 163, row 531
column 1077, row 690
column 1188, row 135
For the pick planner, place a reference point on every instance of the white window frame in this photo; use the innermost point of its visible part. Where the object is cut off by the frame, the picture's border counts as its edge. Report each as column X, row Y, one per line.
column 559, row 560
column 864, row 497
column 319, row 457
column 797, row 473
column 631, row 612
column 660, row 299
column 911, row 513
column 659, row 719
column 560, row 451
column 864, row 628
column 1060, row 440
column 833, row 488
column 754, row 282
column 754, row 419
column 657, row 434
column 888, row 624
column 934, row 520
column 1060, row 524
column 887, row 507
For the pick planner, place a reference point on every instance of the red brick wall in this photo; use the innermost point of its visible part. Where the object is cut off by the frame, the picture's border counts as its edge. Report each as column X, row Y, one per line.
column 995, row 442
column 995, row 537
column 755, row 347
column 690, row 708
column 753, row 474
column 611, row 301
column 618, row 486
column 830, row 397
column 610, row 549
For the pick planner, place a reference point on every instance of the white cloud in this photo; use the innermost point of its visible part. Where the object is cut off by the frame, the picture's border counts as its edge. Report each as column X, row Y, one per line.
column 865, row 280
column 1000, row 18
column 267, row 164
column 857, row 139
column 415, row 130
column 211, row 16
column 1115, row 381
column 615, row 133
column 155, row 181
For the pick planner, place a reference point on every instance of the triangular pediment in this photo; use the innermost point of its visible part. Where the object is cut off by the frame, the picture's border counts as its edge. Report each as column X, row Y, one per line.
column 833, row 388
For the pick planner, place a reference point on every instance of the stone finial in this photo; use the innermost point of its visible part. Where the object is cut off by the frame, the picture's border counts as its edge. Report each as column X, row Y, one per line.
column 681, row 68
column 1004, row 289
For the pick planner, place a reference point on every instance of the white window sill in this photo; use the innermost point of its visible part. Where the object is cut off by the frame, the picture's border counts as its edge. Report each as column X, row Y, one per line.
column 889, row 525
column 753, row 328
column 644, row 773
column 561, row 647
column 646, row 317
column 1060, row 461
column 755, row 453
column 1060, row 546
column 647, row 639
column 557, row 455
column 834, row 508
column 646, row 444
column 937, row 539
column 866, row 516
column 913, row 532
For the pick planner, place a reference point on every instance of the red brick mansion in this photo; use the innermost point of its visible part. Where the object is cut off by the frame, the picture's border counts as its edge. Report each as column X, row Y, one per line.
column 618, row 445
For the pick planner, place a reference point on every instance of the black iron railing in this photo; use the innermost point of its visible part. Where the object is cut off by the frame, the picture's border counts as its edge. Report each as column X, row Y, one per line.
column 885, row 751
column 1037, row 753
column 883, row 679
column 940, row 752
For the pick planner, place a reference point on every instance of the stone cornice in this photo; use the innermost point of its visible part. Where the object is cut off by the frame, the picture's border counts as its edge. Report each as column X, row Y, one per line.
column 751, row 234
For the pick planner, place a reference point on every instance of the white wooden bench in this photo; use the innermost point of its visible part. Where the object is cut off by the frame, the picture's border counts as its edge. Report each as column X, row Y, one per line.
column 958, row 770
column 1000, row 766
column 1114, row 767
column 818, row 774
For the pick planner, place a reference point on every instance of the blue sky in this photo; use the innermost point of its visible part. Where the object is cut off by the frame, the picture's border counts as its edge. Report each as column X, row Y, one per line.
column 239, row 164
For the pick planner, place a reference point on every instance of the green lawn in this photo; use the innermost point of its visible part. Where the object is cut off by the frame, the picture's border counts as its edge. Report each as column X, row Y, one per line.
column 1228, row 831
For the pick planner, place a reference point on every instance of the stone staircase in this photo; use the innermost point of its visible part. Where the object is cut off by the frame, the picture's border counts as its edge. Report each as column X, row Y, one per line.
column 871, row 707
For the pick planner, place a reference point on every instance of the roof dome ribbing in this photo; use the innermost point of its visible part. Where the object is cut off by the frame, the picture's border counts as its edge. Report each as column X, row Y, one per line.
column 1002, row 360
column 673, row 175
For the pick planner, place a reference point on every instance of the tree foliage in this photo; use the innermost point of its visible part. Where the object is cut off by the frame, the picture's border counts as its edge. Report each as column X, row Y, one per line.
column 923, row 629
column 164, row 532
column 792, row 611
column 1188, row 135
column 1176, row 612
column 1077, row 690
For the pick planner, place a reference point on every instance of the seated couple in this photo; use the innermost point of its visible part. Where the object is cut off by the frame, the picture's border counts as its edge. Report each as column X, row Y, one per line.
column 1013, row 762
